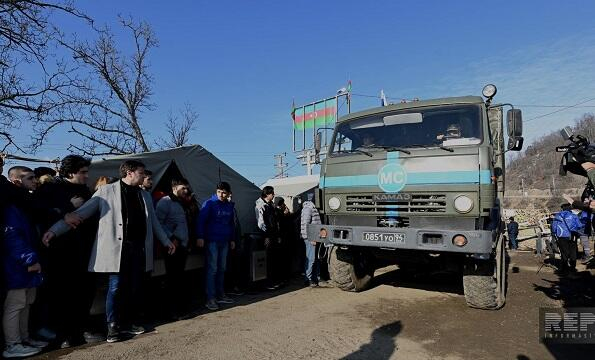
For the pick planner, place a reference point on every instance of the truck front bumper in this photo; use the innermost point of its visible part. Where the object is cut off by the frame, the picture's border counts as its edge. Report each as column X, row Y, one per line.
column 432, row 240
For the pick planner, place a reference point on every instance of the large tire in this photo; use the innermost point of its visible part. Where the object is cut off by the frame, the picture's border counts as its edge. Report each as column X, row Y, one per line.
column 484, row 281
column 350, row 270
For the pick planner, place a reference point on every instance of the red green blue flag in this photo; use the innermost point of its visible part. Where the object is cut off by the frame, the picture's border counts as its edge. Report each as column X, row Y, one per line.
column 315, row 115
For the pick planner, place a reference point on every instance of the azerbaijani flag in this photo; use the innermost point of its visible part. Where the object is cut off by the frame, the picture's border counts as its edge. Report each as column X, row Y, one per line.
column 317, row 114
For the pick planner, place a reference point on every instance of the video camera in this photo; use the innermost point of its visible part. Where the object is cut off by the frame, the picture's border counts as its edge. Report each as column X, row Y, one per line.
column 577, row 152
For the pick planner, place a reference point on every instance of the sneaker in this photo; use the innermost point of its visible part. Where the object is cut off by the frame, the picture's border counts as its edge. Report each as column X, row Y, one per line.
column 235, row 292
column 586, row 259
column 224, row 299
column 46, row 334
column 212, row 305
column 36, row 343
column 113, row 332
column 326, row 284
column 134, row 330
column 314, row 285
column 91, row 337
column 19, row 350
column 273, row 286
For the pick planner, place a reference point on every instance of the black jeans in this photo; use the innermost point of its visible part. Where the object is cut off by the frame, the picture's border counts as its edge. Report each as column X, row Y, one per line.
column 174, row 269
column 567, row 252
column 274, row 262
column 70, row 289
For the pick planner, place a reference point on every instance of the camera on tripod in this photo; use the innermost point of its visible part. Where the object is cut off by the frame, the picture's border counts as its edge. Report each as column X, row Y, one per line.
column 578, row 151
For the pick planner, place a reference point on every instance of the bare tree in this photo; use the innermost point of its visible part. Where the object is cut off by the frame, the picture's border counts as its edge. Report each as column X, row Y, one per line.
column 26, row 35
column 179, row 128
column 105, row 109
column 8, row 141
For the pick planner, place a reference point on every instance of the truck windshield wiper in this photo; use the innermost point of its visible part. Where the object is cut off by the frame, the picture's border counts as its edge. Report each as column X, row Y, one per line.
column 388, row 148
column 354, row 151
column 428, row 147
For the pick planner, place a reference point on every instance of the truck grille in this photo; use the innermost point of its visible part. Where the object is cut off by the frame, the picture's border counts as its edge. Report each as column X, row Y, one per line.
column 419, row 203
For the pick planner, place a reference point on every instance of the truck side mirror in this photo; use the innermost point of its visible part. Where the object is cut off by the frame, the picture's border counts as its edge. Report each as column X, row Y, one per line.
column 514, row 122
column 317, row 146
column 515, row 143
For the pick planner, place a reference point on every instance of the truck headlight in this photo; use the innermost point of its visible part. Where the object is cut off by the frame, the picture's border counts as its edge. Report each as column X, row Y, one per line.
column 334, row 203
column 463, row 204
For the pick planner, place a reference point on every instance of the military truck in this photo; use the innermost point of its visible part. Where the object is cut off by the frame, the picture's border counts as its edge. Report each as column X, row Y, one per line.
column 419, row 184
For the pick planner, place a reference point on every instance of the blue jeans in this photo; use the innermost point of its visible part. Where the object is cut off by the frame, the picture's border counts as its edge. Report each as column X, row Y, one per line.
column 124, row 302
column 311, row 267
column 111, row 306
column 216, row 262
column 513, row 244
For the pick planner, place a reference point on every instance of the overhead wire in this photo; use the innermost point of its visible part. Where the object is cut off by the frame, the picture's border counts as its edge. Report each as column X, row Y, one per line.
column 559, row 110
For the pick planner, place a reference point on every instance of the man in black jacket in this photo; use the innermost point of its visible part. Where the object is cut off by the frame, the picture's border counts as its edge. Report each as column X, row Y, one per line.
column 70, row 287
column 513, row 232
column 268, row 223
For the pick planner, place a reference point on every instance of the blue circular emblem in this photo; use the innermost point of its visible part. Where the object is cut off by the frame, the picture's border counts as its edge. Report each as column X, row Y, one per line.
column 392, row 178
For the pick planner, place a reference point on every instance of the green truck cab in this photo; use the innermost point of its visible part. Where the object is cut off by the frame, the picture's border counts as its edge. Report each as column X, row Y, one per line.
column 415, row 184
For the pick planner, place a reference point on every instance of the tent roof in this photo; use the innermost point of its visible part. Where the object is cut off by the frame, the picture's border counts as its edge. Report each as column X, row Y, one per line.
column 202, row 169
column 293, row 186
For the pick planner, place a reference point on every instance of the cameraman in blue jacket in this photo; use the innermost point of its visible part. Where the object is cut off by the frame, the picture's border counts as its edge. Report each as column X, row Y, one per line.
column 565, row 226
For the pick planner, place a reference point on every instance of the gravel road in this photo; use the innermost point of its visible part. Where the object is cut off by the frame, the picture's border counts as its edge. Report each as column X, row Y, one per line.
column 401, row 317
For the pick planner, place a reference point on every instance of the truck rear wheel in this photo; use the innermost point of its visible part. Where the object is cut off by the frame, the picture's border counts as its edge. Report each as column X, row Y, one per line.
column 350, row 270
column 484, row 281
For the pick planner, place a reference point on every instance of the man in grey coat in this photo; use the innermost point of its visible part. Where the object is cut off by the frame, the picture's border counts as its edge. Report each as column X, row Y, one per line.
column 174, row 220
column 123, row 245
column 310, row 215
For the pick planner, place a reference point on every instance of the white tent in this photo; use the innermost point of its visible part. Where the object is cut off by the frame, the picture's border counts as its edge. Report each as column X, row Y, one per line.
column 290, row 188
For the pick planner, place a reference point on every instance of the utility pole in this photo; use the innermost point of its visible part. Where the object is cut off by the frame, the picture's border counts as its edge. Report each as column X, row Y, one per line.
column 280, row 165
column 523, row 187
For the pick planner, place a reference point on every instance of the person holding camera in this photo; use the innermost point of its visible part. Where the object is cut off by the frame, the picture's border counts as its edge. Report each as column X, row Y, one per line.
column 590, row 169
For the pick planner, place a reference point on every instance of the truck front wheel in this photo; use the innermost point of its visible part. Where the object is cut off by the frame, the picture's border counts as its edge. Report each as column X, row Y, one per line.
column 484, row 281
column 350, row 269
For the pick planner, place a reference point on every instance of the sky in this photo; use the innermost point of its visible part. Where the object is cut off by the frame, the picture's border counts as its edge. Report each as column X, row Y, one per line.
column 242, row 63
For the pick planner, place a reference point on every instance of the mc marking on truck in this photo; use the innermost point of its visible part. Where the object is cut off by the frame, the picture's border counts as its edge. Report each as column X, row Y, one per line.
column 392, row 178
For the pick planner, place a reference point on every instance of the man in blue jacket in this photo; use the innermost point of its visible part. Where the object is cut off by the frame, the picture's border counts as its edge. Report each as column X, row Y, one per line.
column 564, row 227
column 513, row 231
column 215, row 229
column 22, row 272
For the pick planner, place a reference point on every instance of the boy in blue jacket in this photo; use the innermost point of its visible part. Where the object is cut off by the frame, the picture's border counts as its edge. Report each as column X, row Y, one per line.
column 22, row 275
column 215, row 229
column 565, row 226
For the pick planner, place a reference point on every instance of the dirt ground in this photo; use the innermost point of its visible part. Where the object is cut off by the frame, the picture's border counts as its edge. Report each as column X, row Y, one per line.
column 401, row 317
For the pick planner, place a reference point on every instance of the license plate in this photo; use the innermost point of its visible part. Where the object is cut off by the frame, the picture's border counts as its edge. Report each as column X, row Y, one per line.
column 384, row 237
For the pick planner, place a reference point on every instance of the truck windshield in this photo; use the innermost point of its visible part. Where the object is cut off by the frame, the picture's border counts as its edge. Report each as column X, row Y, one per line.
column 445, row 127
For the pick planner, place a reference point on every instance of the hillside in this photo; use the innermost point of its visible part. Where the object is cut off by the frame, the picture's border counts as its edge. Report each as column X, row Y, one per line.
column 536, row 169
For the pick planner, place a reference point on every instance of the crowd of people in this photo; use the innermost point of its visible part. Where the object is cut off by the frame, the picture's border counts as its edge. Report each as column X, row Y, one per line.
column 59, row 238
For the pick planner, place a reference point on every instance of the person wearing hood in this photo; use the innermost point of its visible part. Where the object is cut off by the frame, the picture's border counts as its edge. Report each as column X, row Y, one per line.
column 310, row 215
column 215, row 231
